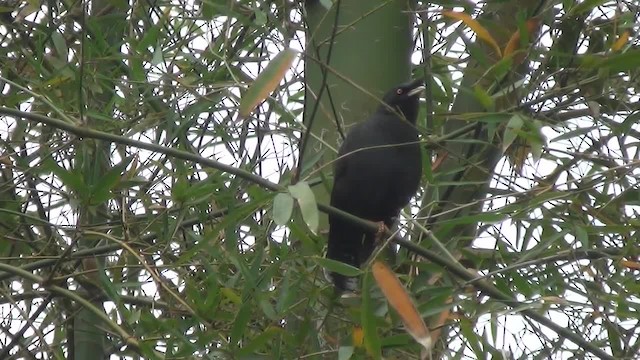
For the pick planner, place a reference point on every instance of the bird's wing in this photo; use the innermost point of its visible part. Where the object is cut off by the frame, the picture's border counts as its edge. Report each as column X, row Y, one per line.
column 362, row 135
column 356, row 173
column 342, row 160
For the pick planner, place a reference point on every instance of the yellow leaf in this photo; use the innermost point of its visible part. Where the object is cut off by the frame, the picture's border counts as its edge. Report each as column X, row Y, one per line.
column 266, row 81
column 6, row 160
column 514, row 42
column 518, row 154
column 621, row 41
column 400, row 300
column 474, row 25
column 357, row 337
column 630, row 264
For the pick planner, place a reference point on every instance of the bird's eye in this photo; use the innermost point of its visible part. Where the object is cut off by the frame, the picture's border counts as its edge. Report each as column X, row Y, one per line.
column 399, row 91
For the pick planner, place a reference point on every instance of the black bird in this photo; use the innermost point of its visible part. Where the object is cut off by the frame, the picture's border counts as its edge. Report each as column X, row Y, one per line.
column 377, row 171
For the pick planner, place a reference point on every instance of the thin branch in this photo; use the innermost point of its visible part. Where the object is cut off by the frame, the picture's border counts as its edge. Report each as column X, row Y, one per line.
column 71, row 295
column 19, row 335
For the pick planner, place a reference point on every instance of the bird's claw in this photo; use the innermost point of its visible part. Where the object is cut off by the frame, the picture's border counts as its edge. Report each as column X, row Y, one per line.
column 380, row 232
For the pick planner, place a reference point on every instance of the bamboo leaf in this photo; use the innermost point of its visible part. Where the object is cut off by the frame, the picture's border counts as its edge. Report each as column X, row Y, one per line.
column 307, row 202
column 514, row 42
column 484, row 98
column 282, row 208
column 345, row 352
column 402, row 303
column 584, row 6
column 101, row 191
column 511, row 130
column 371, row 338
column 621, row 41
column 267, row 81
column 337, row 267
column 60, row 45
column 474, row 25
column 260, row 341
column 622, row 62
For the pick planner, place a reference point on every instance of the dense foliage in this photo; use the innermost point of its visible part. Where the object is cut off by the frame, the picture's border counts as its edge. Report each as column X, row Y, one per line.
column 137, row 211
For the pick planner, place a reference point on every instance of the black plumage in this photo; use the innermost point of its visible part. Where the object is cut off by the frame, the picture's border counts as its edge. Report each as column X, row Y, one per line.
column 377, row 172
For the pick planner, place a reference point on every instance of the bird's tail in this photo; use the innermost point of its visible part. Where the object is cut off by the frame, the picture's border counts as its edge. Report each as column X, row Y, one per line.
column 345, row 242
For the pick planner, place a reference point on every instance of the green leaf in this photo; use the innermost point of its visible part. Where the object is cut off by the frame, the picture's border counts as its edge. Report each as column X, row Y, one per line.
column 509, row 88
column 337, row 267
column 345, row 352
column 158, row 58
column 211, row 8
column 101, row 191
column 311, row 160
column 534, row 137
column 511, row 130
column 498, row 70
column 519, row 309
column 60, row 45
column 493, row 325
column 149, row 38
column 240, row 322
column 107, row 285
column 536, row 148
column 268, row 310
column 493, row 120
column 368, row 318
column 521, row 284
column 326, row 3
column 120, row 4
column 398, row 339
column 483, row 98
column 137, row 70
column 471, row 337
column 574, row 133
column 621, row 62
column 489, row 217
column 613, row 338
column 549, row 237
column 584, row 6
column 72, row 179
column 267, row 81
column 286, row 296
column 179, row 189
column 282, row 208
column 260, row 17
column 307, row 202
column 200, row 191
column 582, row 236
column 259, row 341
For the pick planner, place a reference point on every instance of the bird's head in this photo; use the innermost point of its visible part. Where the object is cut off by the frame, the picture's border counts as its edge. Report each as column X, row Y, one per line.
column 404, row 98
